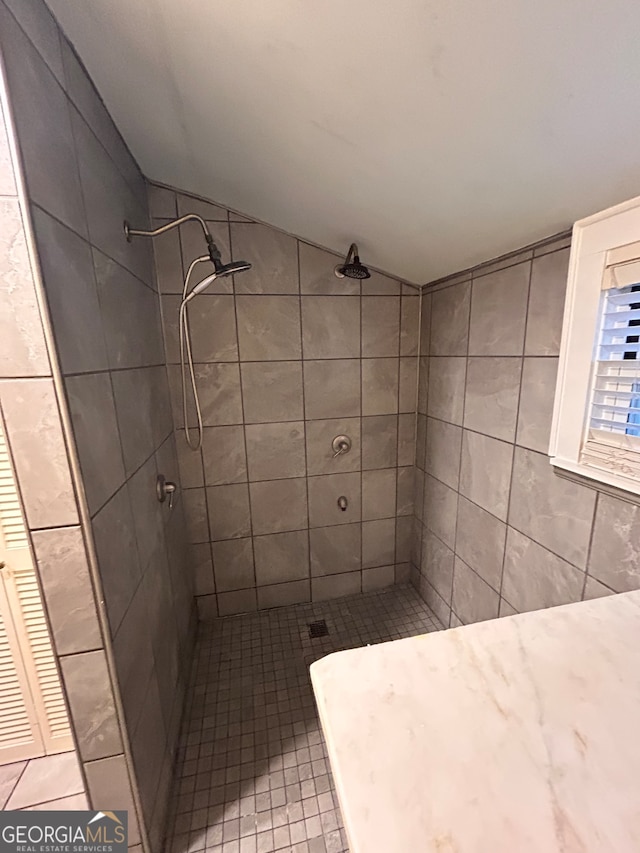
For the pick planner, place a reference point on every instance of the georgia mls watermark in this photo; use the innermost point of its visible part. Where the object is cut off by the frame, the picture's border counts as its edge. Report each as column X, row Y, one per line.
column 63, row 832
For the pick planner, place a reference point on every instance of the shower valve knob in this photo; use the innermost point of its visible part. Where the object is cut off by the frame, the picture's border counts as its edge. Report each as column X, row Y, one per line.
column 165, row 489
column 340, row 444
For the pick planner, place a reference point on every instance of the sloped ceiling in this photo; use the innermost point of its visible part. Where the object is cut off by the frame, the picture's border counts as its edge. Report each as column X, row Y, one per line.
column 435, row 133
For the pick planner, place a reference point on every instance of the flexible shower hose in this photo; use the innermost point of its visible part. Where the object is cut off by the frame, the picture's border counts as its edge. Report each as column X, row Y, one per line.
column 185, row 350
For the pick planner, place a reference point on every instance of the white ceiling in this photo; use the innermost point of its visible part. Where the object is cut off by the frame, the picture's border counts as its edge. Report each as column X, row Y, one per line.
column 435, row 133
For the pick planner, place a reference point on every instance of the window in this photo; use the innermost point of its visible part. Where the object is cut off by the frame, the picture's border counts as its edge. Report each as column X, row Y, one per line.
column 596, row 420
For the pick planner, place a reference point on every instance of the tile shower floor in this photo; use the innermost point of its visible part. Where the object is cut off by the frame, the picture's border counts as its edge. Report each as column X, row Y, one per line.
column 253, row 774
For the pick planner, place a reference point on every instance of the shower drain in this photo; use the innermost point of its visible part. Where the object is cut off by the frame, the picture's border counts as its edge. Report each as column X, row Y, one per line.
column 318, row 629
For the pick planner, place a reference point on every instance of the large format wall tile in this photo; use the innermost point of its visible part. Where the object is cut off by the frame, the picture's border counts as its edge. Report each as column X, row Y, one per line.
column 268, row 328
column 491, row 399
column 381, row 327
column 272, row 391
column 449, row 321
column 480, row 541
column 615, row 551
column 22, row 346
column 93, row 413
column 275, row 451
column 535, row 578
column 41, row 112
column 281, row 557
column 446, row 389
column 485, row 472
column 536, row 403
column 64, row 574
column 499, row 311
column 546, row 303
column 273, row 256
column 88, row 690
column 330, row 327
column 550, row 509
column 332, row 388
column 473, row 599
column 35, row 436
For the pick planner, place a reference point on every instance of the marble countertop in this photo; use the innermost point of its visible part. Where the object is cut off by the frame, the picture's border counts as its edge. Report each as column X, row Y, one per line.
column 520, row 734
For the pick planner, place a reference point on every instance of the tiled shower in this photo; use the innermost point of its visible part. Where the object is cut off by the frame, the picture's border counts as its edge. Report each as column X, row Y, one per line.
column 445, row 393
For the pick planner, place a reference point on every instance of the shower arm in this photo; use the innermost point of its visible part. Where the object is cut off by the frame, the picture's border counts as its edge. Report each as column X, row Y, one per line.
column 351, row 254
column 214, row 252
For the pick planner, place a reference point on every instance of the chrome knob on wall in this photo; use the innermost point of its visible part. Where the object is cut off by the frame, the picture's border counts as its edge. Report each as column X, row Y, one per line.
column 340, row 444
column 165, row 489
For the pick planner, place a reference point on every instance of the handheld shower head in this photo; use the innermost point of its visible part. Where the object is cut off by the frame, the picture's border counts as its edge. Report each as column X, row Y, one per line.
column 221, row 270
column 352, row 268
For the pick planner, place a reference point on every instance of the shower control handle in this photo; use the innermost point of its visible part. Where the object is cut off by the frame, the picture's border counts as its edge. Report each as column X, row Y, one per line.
column 340, row 444
column 165, row 489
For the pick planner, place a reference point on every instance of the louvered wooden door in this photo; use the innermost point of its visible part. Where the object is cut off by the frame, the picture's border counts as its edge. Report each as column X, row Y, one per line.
column 33, row 718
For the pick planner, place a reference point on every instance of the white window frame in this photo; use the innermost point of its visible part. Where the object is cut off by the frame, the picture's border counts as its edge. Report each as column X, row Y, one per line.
column 594, row 238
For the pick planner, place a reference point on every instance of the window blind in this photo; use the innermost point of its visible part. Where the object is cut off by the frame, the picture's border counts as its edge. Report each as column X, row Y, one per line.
column 613, row 419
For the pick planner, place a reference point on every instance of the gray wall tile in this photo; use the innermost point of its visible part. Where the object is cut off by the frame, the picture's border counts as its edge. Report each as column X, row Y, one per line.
column 110, row 788
column 282, row 557
column 441, row 509
column 498, row 312
column 22, row 346
column 283, row 594
column 378, row 578
column 39, row 454
column 446, row 389
column 242, row 601
column 41, row 111
column 334, row 550
column 223, row 455
column 279, row 505
column 381, row 326
column 408, row 390
column 409, row 325
column 332, row 388
column 72, row 295
column 233, row 565
column 473, row 600
column 117, row 549
column 404, row 496
column 325, row 588
column 380, row 386
column 229, row 514
column 379, row 442
column 443, row 452
column 491, row 398
column 276, row 451
column 272, row 391
column 378, row 543
column 536, row 403
column 546, row 304
column 88, row 691
column 552, row 510
column 93, row 414
column 615, row 551
column 268, row 327
column 379, row 493
column 480, row 541
column 213, row 328
column 330, row 327
column 320, row 453
column 64, row 574
column 437, row 565
column 485, row 472
column 595, row 589
column 273, row 256
column 324, row 492
column 535, row 578
column 449, row 321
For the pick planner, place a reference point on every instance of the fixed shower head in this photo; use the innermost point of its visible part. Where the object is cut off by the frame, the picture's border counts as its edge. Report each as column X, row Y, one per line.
column 352, row 268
